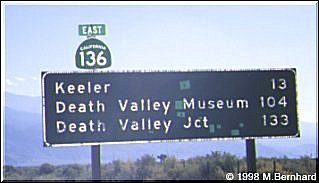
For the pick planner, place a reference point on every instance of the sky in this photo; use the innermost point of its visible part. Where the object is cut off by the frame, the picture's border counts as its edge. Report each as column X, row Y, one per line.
column 166, row 37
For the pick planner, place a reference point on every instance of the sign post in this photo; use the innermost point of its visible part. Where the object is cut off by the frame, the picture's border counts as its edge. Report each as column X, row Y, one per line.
column 93, row 54
column 96, row 162
column 251, row 155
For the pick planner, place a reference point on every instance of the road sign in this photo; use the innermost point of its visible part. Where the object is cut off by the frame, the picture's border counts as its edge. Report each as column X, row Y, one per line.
column 93, row 54
column 92, row 30
column 112, row 107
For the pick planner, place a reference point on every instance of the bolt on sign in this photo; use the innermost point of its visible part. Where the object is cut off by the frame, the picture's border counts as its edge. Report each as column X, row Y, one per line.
column 116, row 107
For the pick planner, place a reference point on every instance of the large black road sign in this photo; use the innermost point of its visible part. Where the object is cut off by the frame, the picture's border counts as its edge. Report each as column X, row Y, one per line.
column 112, row 107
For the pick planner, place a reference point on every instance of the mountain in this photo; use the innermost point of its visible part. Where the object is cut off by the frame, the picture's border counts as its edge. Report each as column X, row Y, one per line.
column 23, row 142
column 23, row 103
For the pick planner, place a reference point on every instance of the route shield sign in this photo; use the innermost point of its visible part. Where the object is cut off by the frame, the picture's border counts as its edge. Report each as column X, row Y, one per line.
column 93, row 54
column 113, row 107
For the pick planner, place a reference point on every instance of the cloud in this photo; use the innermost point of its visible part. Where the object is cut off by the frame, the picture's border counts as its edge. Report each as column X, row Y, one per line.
column 9, row 82
column 34, row 78
column 19, row 78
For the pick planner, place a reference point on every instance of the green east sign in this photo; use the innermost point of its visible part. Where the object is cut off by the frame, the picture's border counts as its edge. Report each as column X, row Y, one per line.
column 93, row 54
column 92, row 30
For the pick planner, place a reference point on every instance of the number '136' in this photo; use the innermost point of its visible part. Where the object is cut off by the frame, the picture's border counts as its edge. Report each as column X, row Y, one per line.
column 93, row 59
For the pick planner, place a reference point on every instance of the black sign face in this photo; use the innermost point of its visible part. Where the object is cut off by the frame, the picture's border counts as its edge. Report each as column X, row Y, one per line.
column 113, row 107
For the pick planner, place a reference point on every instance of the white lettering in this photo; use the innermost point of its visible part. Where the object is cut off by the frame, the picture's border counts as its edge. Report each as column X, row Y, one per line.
column 144, row 124
column 58, row 125
column 144, row 105
column 81, row 127
column 215, row 104
column 59, row 87
column 91, row 106
column 71, row 89
column 58, row 105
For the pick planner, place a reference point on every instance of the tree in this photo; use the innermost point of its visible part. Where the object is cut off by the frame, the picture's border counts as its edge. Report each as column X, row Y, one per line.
column 72, row 172
column 145, row 166
column 171, row 168
column 162, row 158
column 46, row 168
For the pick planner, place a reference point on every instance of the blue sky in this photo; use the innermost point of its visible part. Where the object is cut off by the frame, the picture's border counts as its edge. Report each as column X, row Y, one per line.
column 45, row 38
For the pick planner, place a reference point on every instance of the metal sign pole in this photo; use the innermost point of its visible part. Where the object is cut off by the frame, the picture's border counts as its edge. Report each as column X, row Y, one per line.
column 96, row 163
column 96, row 159
column 251, row 155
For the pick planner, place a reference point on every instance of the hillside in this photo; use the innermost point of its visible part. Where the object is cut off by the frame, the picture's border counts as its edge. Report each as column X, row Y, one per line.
column 212, row 166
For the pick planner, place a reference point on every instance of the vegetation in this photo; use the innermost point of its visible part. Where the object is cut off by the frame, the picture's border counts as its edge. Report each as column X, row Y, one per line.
column 212, row 166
